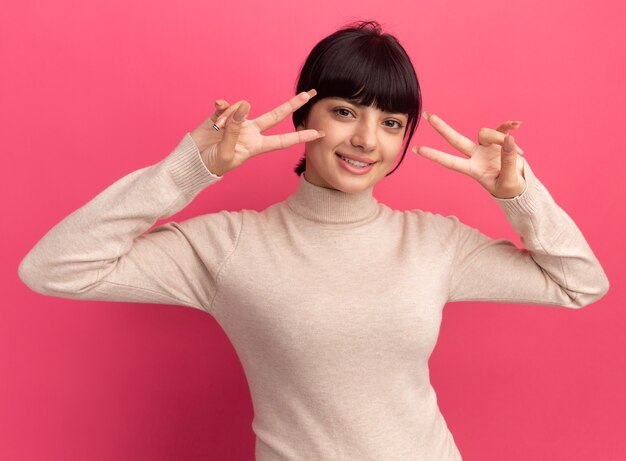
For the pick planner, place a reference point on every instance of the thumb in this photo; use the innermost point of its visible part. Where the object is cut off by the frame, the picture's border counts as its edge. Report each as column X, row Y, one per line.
column 232, row 129
column 508, row 182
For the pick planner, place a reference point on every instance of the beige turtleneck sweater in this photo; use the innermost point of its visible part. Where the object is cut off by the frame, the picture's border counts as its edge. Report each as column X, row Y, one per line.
column 333, row 301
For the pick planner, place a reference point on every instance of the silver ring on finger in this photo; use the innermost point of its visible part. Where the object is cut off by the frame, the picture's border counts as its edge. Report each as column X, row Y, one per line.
column 215, row 127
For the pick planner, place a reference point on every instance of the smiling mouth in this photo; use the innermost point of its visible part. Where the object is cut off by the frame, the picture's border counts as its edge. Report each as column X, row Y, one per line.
column 354, row 162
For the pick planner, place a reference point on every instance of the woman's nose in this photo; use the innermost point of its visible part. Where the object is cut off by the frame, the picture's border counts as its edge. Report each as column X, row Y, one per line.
column 364, row 136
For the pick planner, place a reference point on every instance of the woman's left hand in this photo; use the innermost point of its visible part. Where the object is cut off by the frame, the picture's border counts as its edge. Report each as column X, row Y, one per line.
column 493, row 162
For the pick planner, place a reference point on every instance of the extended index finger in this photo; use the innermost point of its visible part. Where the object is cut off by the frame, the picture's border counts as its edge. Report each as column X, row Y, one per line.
column 454, row 138
column 284, row 140
column 278, row 114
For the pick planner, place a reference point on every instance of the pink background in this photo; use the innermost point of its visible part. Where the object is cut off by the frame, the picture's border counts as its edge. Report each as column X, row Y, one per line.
column 91, row 91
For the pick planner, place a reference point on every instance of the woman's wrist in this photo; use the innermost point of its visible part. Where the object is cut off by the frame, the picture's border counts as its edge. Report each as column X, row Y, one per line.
column 211, row 165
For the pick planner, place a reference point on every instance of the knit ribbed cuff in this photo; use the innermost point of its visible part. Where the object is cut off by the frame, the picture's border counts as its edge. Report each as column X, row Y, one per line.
column 527, row 202
column 187, row 169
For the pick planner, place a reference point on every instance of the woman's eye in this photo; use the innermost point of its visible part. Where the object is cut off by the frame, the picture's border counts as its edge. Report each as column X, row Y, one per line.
column 393, row 124
column 343, row 112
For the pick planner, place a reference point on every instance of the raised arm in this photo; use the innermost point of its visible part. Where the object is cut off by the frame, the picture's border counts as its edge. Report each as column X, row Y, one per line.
column 556, row 265
column 104, row 251
column 100, row 251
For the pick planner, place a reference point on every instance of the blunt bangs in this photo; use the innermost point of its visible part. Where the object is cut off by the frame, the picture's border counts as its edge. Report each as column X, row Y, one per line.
column 365, row 78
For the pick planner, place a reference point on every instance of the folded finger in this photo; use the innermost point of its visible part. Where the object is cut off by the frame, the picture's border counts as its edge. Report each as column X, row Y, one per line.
column 488, row 136
column 226, row 147
column 509, row 125
column 220, row 106
column 221, row 119
column 278, row 114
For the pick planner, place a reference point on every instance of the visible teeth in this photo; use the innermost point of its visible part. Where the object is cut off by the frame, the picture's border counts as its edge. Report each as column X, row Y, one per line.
column 354, row 162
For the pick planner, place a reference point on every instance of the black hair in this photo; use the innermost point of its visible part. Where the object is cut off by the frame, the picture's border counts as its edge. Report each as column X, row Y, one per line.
column 361, row 63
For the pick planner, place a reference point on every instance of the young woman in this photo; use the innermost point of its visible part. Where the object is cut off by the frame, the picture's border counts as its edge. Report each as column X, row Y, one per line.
column 332, row 300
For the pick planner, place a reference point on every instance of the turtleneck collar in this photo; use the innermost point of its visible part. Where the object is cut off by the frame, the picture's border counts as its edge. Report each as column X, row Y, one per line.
column 331, row 206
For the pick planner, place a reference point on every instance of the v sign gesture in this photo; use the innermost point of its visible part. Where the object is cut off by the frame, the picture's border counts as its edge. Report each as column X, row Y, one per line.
column 493, row 162
column 238, row 139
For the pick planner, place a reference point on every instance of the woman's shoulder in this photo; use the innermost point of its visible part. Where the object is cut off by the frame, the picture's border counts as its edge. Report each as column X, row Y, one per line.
column 219, row 223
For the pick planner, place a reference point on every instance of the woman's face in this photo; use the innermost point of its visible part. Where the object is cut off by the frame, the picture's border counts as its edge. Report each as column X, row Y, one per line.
column 352, row 131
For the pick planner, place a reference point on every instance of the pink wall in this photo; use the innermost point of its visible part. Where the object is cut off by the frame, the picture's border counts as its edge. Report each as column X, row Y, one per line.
column 91, row 91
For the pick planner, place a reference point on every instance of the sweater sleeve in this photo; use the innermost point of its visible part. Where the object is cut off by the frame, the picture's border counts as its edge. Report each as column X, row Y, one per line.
column 104, row 251
column 556, row 267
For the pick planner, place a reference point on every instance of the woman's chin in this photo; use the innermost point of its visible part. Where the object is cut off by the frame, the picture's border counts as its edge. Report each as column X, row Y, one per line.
column 353, row 185
column 348, row 183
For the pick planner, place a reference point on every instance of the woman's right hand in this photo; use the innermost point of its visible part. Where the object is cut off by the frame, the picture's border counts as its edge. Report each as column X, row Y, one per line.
column 239, row 139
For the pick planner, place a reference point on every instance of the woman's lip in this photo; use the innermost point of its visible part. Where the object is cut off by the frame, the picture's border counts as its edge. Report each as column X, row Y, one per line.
column 357, row 158
column 355, row 170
